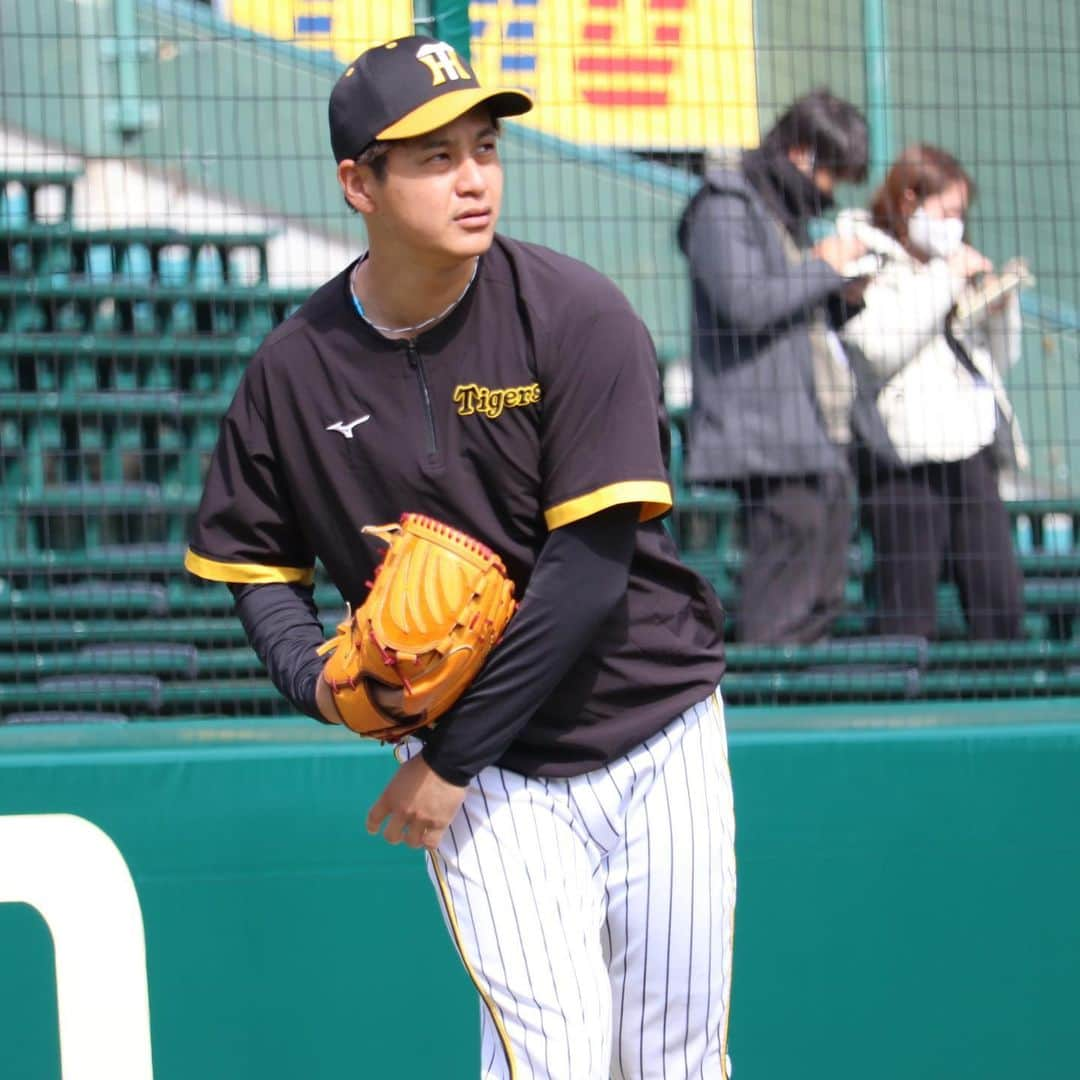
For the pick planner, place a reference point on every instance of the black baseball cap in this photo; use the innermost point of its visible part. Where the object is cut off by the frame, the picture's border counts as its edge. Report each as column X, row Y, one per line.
column 408, row 87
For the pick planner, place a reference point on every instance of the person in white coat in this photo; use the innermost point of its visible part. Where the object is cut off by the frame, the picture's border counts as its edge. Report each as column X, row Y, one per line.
column 934, row 424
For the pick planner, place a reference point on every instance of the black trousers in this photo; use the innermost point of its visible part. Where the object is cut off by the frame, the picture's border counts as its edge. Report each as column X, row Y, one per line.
column 796, row 531
column 936, row 518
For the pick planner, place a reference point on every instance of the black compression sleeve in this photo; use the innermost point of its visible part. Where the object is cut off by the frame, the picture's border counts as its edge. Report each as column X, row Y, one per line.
column 578, row 579
column 282, row 624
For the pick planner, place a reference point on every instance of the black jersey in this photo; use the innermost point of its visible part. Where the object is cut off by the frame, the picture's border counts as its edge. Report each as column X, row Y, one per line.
column 533, row 405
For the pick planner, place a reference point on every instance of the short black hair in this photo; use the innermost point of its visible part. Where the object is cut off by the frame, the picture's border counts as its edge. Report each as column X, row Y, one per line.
column 374, row 157
column 834, row 129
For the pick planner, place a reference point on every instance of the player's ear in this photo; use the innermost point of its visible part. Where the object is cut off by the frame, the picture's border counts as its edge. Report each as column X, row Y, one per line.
column 358, row 184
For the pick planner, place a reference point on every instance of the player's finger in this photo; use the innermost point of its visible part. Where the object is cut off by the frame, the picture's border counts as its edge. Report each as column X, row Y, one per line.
column 432, row 838
column 376, row 816
column 394, row 832
column 415, row 835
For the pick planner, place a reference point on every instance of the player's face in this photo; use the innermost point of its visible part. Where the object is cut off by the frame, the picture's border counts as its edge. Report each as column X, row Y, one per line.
column 442, row 192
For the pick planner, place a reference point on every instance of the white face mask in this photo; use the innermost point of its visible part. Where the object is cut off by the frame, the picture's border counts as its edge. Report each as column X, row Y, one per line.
column 937, row 237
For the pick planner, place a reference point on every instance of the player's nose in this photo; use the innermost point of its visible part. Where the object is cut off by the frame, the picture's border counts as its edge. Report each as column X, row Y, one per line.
column 470, row 178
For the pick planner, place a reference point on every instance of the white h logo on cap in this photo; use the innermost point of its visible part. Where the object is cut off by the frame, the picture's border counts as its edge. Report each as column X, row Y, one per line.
column 442, row 61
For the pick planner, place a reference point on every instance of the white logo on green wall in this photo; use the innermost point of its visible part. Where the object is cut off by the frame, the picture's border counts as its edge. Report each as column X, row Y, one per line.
column 76, row 878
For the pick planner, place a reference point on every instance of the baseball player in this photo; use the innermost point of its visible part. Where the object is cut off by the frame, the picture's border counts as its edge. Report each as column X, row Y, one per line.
column 575, row 803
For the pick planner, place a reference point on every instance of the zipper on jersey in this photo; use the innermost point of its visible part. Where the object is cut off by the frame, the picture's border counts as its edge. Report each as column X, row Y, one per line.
column 416, row 362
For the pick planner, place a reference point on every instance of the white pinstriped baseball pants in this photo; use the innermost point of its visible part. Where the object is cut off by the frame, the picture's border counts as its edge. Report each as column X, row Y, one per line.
column 595, row 914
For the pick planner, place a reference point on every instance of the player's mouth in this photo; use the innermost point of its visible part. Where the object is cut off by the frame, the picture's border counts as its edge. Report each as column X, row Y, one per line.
column 477, row 219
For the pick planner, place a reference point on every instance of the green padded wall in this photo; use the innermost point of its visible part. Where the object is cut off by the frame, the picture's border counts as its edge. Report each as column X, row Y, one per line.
column 281, row 941
column 909, row 882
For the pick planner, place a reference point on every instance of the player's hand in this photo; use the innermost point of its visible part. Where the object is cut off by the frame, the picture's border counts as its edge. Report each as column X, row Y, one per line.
column 838, row 251
column 417, row 806
column 855, row 290
column 966, row 263
column 324, row 699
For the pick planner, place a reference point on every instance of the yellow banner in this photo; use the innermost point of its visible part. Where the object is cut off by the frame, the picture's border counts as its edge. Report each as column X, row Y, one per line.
column 344, row 27
column 634, row 73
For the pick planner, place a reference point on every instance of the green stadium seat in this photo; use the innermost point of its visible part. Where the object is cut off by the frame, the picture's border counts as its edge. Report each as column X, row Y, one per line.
column 174, row 265
column 20, row 187
column 14, row 204
column 80, row 376
column 69, row 318
column 212, row 632
column 867, row 652
column 61, row 251
column 84, row 460
column 208, row 274
column 1049, row 524
column 134, row 659
column 1056, row 598
column 1003, row 654
column 192, row 597
column 138, row 560
column 26, row 317
column 143, row 696
column 181, row 319
column 53, row 261
column 99, row 498
column 44, row 444
column 202, row 346
column 255, row 320
column 107, row 318
column 1020, row 682
column 83, row 692
column 63, row 717
column 235, row 694
column 1048, row 564
column 245, row 265
column 1051, row 593
column 114, row 401
column 100, row 266
column 136, row 264
column 166, row 459
column 17, row 258
column 842, row 684
column 85, row 597
column 158, row 374
column 11, row 454
column 237, row 662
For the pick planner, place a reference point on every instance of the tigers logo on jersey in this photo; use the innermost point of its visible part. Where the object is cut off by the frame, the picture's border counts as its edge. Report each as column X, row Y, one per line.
column 490, row 402
column 443, row 63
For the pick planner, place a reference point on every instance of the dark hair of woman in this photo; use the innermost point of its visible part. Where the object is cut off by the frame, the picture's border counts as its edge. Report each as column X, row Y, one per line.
column 923, row 170
column 831, row 127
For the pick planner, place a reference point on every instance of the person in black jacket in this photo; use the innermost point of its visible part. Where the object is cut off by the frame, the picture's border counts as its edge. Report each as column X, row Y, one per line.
column 771, row 389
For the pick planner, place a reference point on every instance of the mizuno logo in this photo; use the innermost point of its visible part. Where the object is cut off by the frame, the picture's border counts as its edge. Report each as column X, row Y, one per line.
column 346, row 428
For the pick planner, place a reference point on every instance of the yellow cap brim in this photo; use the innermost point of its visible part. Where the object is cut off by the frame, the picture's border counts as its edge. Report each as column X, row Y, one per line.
column 441, row 110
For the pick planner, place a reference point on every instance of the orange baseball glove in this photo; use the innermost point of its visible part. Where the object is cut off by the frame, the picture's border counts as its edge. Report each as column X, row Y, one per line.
column 439, row 603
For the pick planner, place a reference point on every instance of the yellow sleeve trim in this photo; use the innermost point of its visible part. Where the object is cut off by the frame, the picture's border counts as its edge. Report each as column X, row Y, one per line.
column 247, row 573
column 654, row 496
